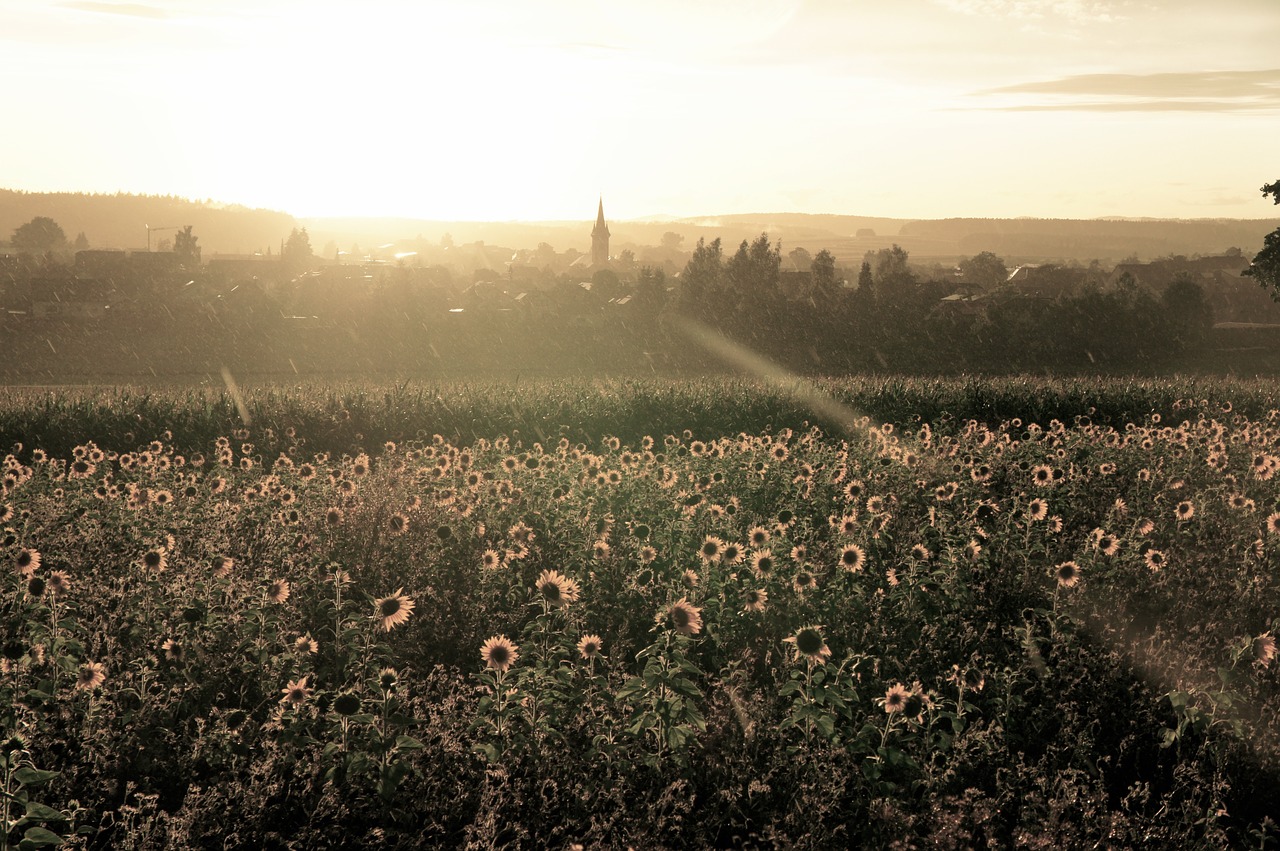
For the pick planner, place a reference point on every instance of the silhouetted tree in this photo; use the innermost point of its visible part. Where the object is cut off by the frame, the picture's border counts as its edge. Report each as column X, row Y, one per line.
column 1189, row 313
column 1265, row 268
column 703, row 277
column 39, row 237
column 984, row 269
column 822, row 270
column 81, row 243
column 186, row 246
column 671, row 241
column 297, row 252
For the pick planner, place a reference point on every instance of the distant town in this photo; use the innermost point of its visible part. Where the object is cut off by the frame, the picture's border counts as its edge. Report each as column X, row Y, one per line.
column 444, row 298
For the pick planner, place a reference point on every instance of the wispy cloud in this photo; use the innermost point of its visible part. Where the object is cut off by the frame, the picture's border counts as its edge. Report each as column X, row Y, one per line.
column 1078, row 11
column 131, row 10
column 1194, row 91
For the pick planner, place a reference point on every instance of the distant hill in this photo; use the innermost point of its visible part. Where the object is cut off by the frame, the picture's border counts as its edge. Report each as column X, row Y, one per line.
column 120, row 220
column 848, row 237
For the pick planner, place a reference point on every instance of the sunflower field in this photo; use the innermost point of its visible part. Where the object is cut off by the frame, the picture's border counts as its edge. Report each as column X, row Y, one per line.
column 977, row 618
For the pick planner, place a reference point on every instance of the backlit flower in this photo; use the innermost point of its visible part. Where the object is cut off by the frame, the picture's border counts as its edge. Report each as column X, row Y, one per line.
column 685, row 617
column 393, row 610
column 499, row 653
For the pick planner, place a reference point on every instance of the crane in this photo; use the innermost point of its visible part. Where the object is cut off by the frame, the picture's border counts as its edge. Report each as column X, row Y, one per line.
column 150, row 229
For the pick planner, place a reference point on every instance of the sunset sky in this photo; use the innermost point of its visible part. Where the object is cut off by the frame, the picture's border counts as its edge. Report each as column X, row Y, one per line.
column 520, row 109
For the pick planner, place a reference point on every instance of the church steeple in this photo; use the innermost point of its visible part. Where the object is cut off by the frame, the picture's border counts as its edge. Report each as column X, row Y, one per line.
column 600, row 239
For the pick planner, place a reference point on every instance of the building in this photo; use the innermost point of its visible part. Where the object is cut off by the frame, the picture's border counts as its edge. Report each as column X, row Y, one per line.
column 600, row 239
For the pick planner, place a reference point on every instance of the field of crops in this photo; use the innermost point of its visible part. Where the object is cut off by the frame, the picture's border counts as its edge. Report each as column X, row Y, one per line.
column 905, row 613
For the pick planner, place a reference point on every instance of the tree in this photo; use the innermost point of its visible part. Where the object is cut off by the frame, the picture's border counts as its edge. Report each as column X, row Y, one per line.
column 38, row 237
column 671, row 241
column 823, row 272
column 984, row 269
column 1265, row 268
column 800, row 258
column 755, row 268
column 703, row 274
column 185, row 245
column 81, row 243
column 1189, row 312
column 297, row 249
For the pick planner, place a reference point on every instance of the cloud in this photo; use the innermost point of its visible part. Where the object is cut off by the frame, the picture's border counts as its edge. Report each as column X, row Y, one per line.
column 1079, row 11
column 132, row 10
column 1194, row 91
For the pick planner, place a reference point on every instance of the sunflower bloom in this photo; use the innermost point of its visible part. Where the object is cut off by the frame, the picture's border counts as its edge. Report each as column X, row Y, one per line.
column 91, row 675
column 296, row 693
column 1068, row 574
column 556, row 589
column 685, row 617
column 499, row 653
column 278, row 591
column 589, row 646
column 895, row 699
column 393, row 610
column 808, row 642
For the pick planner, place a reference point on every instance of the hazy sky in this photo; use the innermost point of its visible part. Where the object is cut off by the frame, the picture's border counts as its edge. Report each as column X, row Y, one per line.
column 511, row 109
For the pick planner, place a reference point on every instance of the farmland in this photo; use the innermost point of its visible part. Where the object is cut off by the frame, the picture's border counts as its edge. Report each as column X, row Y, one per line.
column 716, row 612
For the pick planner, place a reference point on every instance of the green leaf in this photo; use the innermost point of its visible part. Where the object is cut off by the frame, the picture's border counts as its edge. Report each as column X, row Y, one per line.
column 39, row 837
column 28, row 776
column 408, row 743
column 39, row 812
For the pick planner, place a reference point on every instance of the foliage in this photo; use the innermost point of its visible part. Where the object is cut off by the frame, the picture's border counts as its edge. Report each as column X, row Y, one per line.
column 944, row 631
column 38, row 237
column 1265, row 268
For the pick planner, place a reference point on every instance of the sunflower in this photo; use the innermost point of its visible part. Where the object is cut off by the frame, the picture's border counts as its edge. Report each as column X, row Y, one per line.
column 803, row 581
column 1042, row 475
column 499, row 653
column 853, row 558
column 27, row 561
column 808, row 642
column 173, row 650
column 296, row 693
column 1186, row 510
column 1264, row 649
column 394, row 610
column 1068, row 574
column 758, row 535
column 1037, row 510
column 155, row 560
column 556, row 589
column 589, row 646
column 1273, row 523
column 895, row 699
column 91, row 675
column 490, row 560
column 222, row 566
column 305, row 645
column 685, row 617
column 755, row 600
column 59, row 583
column 762, row 563
column 278, row 590
column 711, row 549
column 1155, row 560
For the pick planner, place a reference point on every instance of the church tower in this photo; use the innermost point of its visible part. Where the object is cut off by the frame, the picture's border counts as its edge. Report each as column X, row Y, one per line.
column 600, row 239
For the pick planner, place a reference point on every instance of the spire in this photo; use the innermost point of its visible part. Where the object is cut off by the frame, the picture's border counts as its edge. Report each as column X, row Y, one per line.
column 600, row 239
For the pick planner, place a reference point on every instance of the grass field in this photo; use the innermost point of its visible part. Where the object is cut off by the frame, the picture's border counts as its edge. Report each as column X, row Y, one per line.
column 728, row 613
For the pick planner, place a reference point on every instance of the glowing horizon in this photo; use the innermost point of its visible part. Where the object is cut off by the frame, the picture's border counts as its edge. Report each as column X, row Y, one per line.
column 506, row 111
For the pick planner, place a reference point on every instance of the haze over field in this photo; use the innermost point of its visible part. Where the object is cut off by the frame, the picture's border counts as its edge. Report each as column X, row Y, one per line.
column 502, row 110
